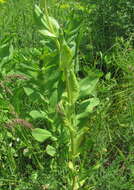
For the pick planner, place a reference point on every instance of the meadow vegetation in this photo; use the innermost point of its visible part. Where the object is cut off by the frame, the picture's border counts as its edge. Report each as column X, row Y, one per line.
column 66, row 95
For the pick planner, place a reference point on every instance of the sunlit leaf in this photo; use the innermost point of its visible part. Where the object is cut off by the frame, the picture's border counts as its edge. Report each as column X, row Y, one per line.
column 87, row 86
column 65, row 56
column 41, row 134
column 74, row 87
column 37, row 114
column 87, row 107
column 28, row 91
column 50, row 150
column 47, row 33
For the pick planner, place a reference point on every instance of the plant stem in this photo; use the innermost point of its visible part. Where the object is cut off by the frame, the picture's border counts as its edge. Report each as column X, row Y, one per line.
column 72, row 127
column 70, row 104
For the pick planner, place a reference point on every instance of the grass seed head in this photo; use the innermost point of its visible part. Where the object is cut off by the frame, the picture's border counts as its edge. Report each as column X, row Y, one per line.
column 19, row 121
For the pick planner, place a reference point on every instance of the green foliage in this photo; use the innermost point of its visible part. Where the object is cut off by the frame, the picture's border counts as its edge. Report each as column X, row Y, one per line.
column 87, row 86
column 50, row 150
column 74, row 87
column 41, row 134
column 66, row 95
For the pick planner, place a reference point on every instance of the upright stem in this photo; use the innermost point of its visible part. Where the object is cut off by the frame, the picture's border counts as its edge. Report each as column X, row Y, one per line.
column 72, row 127
column 70, row 104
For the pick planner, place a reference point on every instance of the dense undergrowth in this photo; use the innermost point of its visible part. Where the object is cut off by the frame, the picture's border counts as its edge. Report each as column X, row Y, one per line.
column 67, row 95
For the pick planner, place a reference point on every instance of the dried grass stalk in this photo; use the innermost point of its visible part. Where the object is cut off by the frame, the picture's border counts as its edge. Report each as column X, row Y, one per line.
column 15, row 76
column 19, row 121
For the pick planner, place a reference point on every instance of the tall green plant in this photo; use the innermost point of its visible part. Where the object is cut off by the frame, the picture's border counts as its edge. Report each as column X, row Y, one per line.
column 70, row 99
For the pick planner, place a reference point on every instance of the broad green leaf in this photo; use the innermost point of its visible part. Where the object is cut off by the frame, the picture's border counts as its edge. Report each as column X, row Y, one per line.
column 74, row 87
column 40, row 17
column 79, row 140
column 41, row 134
column 65, row 56
column 28, row 91
column 40, row 115
column 47, row 33
column 87, row 86
column 71, row 166
column 53, row 99
column 48, row 22
column 87, row 107
column 50, row 150
column 37, row 114
column 54, row 24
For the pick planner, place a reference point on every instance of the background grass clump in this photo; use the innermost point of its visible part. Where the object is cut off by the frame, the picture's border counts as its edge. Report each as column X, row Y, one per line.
column 101, row 36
